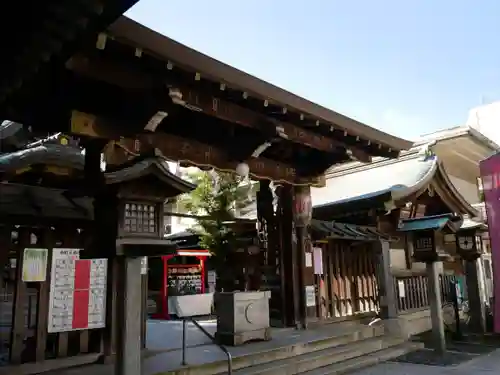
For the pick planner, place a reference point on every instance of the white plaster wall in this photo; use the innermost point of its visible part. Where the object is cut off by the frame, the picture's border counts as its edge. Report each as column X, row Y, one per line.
column 486, row 120
column 398, row 259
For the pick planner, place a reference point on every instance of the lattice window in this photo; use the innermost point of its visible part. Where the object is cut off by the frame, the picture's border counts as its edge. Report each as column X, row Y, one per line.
column 140, row 218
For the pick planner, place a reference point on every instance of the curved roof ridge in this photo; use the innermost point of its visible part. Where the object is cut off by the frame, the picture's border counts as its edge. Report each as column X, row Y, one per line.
column 456, row 196
column 357, row 166
column 388, row 180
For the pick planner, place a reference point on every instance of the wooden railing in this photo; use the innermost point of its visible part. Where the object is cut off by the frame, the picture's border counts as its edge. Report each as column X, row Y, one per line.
column 411, row 291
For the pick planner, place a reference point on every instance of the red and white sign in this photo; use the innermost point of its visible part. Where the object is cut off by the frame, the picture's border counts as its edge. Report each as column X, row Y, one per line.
column 77, row 292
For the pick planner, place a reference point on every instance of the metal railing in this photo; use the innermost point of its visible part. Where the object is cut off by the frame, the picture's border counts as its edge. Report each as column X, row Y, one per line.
column 206, row 333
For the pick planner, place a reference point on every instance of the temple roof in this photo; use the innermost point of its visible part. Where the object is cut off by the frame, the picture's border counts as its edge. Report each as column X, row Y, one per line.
column 389, row 183
column 53, row 154
column 435, row 222
column 164, row 48
column 30, row 197
column 153, row 165
column 34, row 201
column 69, row 156
column 342, row 231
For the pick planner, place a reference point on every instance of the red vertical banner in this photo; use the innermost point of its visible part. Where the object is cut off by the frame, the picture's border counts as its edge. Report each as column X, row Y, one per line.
column 81, row 294
column 490, row 170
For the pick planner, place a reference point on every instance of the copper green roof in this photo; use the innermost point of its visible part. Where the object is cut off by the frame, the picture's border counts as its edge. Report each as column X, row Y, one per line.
column 436, row 222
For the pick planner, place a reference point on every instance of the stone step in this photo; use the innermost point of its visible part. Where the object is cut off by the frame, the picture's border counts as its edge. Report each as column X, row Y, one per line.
column 367, row 360
column 321, row 358
column 272, row 354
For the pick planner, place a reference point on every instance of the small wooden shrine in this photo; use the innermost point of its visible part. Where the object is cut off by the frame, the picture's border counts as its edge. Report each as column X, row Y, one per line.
column 412, row 200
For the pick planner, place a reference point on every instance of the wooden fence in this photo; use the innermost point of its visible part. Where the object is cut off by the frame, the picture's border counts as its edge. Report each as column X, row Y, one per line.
column 350, row 281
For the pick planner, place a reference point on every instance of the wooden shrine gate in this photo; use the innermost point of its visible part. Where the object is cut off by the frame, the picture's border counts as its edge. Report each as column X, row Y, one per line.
column 348, row 287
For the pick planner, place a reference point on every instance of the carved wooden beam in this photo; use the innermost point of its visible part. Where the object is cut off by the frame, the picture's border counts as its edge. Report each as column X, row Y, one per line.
column 177, row 148
column 199, row 100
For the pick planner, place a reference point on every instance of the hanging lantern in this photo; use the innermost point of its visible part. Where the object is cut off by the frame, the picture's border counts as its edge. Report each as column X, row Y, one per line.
column 302, row 207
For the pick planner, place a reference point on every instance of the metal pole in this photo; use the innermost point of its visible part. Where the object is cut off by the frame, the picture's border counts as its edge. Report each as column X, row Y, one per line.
column 184, row 327
column 229, row 364
column 456, row 310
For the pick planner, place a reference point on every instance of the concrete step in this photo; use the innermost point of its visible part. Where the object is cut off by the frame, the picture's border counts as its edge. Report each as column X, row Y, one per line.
column 281, row 352
column 368, row 360
column 320, row 358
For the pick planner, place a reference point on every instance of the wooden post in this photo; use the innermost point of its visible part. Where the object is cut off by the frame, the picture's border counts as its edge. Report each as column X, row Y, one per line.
column 128, row 317
column 302, row 214
column 288, row 257
column 18, row 306
column 105, row 232
column 438, row 334
column 42, row 314
column 387, row 292
column 144, row 316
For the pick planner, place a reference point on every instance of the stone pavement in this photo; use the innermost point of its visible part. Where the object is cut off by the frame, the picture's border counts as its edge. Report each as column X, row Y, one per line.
column 164, row 354
column 488, row 364
column 482, row 365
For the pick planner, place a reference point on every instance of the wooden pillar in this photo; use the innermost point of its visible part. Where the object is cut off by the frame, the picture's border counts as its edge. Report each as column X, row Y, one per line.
column 128, row 316
column 105, row 213
column 104, row 237
column 434, row 290
column 144, row 316
column 387, row 293
column 5, row 243
column 42, row 313
column 306, row 290
column 20, row 297
column 270, row 261
column 289, row 270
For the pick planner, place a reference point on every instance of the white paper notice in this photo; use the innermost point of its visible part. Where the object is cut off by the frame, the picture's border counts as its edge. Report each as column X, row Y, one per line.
column 62, row 284
column 401, row 289
column 310, row 296
column 144, row 266
column 318, row 260
column 97, row 297
column 91, row 292
column 35, row 265
column 309, row 259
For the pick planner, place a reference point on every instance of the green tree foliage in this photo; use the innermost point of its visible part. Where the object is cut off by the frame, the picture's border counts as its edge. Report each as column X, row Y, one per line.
column 215, row 201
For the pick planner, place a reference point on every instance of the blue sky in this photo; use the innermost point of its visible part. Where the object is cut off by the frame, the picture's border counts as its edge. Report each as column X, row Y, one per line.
column 408, row 67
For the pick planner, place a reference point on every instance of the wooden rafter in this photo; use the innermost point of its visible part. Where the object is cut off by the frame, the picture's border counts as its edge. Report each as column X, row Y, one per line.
column 118, row 73
column 176, row 148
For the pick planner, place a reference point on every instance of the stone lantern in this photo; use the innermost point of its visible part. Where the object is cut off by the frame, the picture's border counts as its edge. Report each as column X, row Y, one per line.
column 426, row 235
column 137, row 191
column 467, row 245
column 425, row 246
